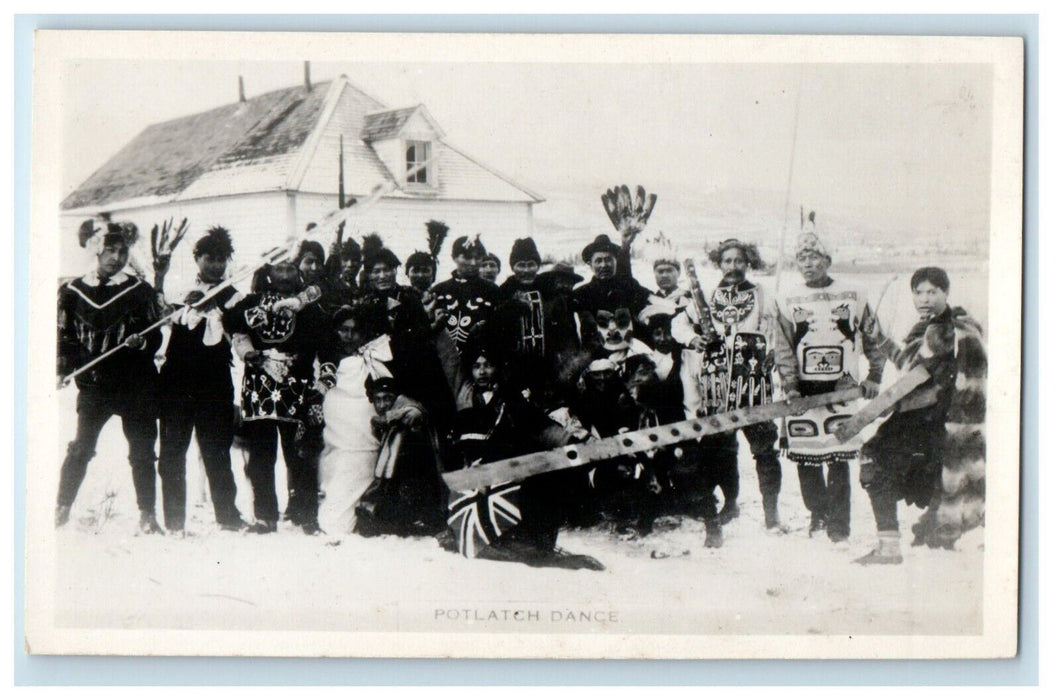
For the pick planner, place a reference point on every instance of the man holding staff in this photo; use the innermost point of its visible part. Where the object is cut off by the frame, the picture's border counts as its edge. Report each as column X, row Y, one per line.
column 742, row 317
column 108, row 308
column 197, row 390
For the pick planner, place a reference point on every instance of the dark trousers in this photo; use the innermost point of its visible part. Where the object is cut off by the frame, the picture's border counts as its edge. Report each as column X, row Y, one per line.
column 260, row 436
column 828, row 500
column 94, row 409
column 762, row 437
column 705, row 466
column 901, row 461
column 210, row 415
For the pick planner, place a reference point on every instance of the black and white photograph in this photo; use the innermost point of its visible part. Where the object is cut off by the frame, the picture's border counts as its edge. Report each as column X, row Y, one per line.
column 524, row 346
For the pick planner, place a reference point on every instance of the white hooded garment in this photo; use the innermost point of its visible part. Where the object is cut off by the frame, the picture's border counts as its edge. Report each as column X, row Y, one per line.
column 347, row 465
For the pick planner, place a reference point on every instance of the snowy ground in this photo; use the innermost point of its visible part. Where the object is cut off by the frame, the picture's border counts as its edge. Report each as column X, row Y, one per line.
column 757, row 583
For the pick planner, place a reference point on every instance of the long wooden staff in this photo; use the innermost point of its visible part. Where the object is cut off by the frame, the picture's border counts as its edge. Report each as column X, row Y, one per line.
column 520, row 468
column 272, row 256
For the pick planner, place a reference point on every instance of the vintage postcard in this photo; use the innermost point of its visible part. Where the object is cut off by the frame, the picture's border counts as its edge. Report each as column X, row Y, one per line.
column 524, row 346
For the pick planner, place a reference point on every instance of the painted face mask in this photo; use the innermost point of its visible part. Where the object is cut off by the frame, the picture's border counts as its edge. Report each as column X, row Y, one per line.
column 616, row 329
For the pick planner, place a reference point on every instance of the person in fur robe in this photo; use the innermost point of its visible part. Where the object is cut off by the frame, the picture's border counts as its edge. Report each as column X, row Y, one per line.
column 408, row 496
column 931, row 451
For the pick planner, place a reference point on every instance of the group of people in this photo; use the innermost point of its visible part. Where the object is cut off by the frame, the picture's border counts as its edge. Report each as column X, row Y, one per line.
column 374, row 390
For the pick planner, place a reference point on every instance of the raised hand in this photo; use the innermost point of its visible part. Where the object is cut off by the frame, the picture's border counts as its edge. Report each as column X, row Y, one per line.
column 336, row 245
column 164, row 241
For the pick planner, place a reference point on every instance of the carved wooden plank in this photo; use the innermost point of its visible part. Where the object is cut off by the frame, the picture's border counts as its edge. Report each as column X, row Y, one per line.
column 879, row 405
column 525, row 466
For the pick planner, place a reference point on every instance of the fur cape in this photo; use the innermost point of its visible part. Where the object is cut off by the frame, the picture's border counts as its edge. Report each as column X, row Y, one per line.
column 959, row 503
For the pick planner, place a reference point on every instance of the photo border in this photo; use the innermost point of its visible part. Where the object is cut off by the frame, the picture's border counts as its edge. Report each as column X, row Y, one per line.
column 38, row 669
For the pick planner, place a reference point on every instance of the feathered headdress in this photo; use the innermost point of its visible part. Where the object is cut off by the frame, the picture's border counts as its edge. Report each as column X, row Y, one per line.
column 436, row 233
column 217, row 243
column 660, row 250
column 465, row 245
column 371, row 244
column 94, row 237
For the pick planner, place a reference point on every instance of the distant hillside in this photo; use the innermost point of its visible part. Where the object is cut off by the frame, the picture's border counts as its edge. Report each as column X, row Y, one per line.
column 567, row 220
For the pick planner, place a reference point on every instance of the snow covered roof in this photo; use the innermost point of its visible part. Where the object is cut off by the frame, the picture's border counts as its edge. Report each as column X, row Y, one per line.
column 268, row 143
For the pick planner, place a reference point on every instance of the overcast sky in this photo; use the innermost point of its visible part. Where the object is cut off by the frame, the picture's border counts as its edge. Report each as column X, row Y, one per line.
column 898, row 145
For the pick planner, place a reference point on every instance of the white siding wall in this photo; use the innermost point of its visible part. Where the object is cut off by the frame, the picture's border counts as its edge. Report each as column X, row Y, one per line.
column 401, row 223
column 392, row 154
column 362, row 167
column 257, row 222
column 260, row 221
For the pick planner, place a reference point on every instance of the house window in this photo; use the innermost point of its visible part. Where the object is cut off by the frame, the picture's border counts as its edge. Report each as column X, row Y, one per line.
column 416, row 154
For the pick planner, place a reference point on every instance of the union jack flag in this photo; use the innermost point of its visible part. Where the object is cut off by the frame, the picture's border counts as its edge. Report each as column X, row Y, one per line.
column 478, row 518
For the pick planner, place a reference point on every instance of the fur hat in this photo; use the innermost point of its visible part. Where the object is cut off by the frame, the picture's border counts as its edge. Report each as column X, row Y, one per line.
column 524, row 250
column 375, row 252
column 600, row 244
column 490, row 257
column 374, row 386
column 749, row 250
column 465, row 245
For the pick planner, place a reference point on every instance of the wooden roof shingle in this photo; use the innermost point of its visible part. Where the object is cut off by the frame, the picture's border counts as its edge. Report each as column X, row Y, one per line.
column 384, row 125
column 166, row 158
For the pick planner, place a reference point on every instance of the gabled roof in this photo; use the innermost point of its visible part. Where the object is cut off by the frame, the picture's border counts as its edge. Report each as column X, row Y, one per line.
column 166, row 158
column 389, row 124
column 266, row 144
column 385, row 125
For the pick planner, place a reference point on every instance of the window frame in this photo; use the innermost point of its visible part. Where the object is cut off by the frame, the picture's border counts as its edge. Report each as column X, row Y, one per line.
column 427, row 173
